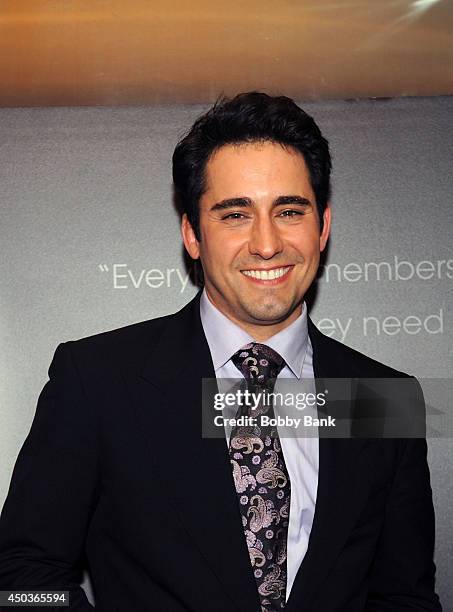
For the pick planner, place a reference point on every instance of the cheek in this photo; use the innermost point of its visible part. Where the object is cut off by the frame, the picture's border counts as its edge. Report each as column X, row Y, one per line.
column 308, row 246
column 221, row 249
column 214, row 259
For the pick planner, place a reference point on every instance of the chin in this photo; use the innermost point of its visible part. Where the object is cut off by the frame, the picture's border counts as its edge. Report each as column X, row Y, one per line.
column 269, row 313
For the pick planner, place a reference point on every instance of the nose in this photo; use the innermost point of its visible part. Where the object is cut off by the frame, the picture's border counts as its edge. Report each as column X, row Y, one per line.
column 265, row 239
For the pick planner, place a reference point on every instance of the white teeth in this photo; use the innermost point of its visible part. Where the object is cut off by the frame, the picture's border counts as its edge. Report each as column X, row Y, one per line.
column 266, row 274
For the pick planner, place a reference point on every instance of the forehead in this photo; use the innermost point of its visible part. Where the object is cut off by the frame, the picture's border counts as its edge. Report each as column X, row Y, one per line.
column 252, row 163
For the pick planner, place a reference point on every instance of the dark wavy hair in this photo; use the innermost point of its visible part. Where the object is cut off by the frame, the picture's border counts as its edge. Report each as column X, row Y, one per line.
column 246, row 118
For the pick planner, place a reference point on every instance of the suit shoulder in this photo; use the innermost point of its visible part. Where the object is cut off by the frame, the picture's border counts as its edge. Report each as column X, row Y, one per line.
column 377, row 368
column 120, row 344
column 360, row 364
column 123, row 347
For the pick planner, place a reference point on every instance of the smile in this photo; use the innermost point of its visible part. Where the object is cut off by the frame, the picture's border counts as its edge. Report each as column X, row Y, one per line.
column 267, row 275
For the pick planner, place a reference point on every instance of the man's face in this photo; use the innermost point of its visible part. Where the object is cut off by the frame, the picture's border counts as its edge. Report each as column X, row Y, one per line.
column 260, row 235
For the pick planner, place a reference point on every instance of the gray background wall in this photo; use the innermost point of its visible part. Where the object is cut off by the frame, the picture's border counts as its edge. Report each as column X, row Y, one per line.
column 90, row 241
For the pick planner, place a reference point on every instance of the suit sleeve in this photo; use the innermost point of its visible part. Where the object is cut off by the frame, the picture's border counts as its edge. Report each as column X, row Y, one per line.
column 403, row 575
column 53, row 490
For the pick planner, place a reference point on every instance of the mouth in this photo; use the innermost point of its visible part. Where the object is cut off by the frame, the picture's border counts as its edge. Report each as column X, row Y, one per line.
column 268, row 276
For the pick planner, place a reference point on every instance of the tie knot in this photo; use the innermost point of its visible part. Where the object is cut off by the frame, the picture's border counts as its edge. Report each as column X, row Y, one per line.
column 258, row 362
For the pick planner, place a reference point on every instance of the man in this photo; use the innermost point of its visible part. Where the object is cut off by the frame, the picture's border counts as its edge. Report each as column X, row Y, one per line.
column 115, row 471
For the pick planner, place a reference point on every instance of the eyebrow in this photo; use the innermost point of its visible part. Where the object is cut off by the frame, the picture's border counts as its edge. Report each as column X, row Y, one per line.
column 246, row 202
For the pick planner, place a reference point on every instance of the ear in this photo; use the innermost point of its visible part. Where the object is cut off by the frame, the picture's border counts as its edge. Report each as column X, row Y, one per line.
column 188, row 235
column 325, row 228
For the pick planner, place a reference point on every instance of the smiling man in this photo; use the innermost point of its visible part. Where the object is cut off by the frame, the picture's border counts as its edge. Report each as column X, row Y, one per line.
column 259, row 235
column 115, row 472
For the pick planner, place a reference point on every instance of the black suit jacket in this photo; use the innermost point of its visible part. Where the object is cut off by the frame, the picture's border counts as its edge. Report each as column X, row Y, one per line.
column 115, row 474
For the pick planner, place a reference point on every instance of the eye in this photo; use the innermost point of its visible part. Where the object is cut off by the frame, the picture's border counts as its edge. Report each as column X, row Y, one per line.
column 234, row 215
column 291, row 213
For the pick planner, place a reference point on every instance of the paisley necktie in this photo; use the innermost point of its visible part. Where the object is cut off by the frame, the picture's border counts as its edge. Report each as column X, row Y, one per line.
column 261, row 478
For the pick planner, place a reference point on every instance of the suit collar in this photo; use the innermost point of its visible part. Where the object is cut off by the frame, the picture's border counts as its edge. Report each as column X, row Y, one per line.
column 328, row 355
column 184, row 341
column 181, row 347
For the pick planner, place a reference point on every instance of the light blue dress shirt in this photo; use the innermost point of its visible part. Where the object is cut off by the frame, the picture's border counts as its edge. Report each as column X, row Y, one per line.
column 301, row 453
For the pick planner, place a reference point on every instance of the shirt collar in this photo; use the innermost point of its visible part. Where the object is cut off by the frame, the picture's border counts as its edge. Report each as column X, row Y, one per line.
column 225, row 337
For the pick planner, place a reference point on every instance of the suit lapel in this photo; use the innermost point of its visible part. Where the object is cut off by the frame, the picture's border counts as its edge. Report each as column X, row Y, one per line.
column 338, row 497
column 197, row 471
